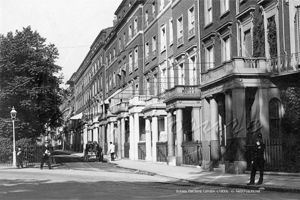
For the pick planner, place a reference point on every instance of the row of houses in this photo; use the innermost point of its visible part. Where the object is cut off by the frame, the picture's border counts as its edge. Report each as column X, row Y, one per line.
column 186, row 81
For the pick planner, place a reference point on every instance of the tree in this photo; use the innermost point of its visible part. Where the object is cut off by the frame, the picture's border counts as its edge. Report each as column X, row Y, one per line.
column 258, row 34
column 29, row 81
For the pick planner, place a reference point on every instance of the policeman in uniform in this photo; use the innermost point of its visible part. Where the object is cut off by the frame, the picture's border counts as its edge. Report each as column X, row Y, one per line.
column 257, row 160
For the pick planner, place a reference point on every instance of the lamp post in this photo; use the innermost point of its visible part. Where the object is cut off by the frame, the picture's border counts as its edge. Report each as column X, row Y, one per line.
column 13, row 114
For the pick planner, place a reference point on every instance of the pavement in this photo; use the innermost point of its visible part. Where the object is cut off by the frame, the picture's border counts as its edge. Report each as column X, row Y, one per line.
column 281, row 182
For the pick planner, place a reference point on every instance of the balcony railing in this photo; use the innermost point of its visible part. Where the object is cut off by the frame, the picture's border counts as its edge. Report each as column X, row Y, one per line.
column 120, row 107
column 238, row 66
column 152, row 100
column 183, row 92
column 138, row 100
column 284, row 64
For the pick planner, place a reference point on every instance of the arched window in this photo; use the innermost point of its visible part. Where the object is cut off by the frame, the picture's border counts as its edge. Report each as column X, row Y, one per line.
column 275, row 118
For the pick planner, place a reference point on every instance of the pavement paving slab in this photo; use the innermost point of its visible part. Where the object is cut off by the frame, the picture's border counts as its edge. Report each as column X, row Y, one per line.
column 282, row 182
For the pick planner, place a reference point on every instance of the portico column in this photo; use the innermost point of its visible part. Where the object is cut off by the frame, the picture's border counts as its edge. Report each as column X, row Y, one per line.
column 122, row 136
column 131, row 138
column 95, row 132
column 136, row 135
column 103, row 136
column 196, row 124
column 239, row 128
column 228, row 118
column 154, row 137
column 228, row 115
column 179, row 134
column 99, row 134
column 119, row 138
column 89, row 136
column 148, row 140
column 85, row 136
column 112, row 132
column 171, row 157
column 108, row 133
column 214, row 133
column 264, row 112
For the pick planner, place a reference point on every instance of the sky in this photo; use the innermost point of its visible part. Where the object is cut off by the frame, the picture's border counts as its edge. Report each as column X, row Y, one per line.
column 71, row 25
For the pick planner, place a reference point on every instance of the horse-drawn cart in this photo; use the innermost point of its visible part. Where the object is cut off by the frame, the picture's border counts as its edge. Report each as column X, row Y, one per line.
column 93, row 150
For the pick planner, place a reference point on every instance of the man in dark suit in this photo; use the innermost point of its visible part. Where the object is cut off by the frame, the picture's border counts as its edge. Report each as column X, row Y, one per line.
column 46, row 152
column 100, row 153
column 19, row 157
column 257, row 160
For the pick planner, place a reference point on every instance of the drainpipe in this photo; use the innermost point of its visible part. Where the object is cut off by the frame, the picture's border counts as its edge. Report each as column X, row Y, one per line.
column 199, row 41
column 143, row 39
column 283, row 31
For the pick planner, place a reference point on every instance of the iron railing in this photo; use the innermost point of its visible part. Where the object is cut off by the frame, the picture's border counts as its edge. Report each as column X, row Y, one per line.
column 142, row 151
column 285, row 63
column 126, row 149
column 192, row 153
column 31, row 156
column 162, row 152
column 279, row 156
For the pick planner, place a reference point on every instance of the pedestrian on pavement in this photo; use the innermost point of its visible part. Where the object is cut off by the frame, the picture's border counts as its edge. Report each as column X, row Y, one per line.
column 88, row 148
column 20, row 157
column 111, row 150
column 99, row 153
column 257, row 160
column 46, row 152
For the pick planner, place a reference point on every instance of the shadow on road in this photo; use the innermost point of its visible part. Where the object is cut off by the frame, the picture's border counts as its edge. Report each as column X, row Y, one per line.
column 46, row 189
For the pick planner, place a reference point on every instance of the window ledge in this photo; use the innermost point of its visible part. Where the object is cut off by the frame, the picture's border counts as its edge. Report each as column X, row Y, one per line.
column 163, row 50
column 224, row 14
column 179, row 45
column 208, row 25
column 191, row 37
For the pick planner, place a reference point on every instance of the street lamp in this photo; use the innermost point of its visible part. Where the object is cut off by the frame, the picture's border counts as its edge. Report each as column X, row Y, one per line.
column 13, row 114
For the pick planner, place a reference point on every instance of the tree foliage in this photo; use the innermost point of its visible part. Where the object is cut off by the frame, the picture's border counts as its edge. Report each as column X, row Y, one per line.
column 29, row 81
column 258, row 34
column 272, row 37
column 291, row 120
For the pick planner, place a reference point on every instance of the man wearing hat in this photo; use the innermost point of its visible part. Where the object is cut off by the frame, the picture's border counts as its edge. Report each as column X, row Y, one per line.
column 257, row 160
column 46, row 154
column 19, row 157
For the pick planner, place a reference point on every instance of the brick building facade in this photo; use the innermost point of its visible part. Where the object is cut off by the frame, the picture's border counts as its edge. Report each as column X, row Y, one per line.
column 179, row 81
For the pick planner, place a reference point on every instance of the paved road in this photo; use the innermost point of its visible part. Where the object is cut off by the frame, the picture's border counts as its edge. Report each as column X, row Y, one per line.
column 79, row 180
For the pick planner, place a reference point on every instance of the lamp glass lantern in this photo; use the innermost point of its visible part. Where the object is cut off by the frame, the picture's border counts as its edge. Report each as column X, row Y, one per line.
column 13, row 113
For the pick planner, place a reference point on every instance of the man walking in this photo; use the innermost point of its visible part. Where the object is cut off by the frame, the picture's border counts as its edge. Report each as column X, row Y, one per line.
column 257, row 160
column 45, row 155
column 111, row 150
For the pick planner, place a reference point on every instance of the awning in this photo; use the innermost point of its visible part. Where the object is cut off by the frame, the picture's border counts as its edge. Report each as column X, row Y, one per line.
column 78, row 116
